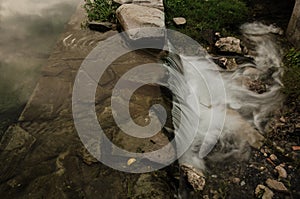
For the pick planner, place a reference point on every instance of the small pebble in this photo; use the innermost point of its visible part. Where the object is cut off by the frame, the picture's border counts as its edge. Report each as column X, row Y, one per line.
column 261, row 168
column 205, row 197
column 281, row 172
column 131, row 161
column 267, row 193
column 273, row 157
column 271, row 162
column 280, row 149
column 243, row 183
column 267, row 150
column 218, row 34
column 236, row 180
column 179, row 20
column 282, row 119
column 296, row 148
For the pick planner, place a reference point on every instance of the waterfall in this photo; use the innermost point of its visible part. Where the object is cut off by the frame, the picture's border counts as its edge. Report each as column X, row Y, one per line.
column 229, row 111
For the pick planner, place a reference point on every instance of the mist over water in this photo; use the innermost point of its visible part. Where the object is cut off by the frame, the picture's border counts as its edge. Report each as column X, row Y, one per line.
column 28, row 32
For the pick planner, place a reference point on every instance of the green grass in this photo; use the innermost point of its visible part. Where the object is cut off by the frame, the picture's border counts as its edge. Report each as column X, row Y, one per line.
column 206, row 15
column 101, row 10
column 291, row 77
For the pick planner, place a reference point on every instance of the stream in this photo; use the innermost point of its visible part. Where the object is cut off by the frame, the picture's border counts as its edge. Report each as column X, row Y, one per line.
column 232, row 106
column 248, row 95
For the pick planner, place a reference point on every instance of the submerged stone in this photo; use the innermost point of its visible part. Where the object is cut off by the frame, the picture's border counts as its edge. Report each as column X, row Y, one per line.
column 19, row 141
column 152, row 186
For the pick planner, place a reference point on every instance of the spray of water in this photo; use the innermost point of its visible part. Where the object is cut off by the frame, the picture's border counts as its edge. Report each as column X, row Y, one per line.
column 246, row 110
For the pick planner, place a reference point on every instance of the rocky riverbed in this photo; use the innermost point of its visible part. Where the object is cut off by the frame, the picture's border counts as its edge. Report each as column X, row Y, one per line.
column 44, row 156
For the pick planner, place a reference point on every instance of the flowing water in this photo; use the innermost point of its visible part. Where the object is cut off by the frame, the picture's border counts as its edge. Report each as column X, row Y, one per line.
column 29, row 30
column 229, row 92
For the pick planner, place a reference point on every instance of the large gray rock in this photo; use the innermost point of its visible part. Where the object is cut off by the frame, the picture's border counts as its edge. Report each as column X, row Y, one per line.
column 135, row 19
column 149, row 3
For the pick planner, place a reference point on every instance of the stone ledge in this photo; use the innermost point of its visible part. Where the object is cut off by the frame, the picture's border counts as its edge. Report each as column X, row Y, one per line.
column 134, row 18
column 148, row 3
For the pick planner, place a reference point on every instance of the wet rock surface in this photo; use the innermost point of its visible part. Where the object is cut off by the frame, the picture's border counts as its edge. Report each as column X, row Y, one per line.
column 229, row 45
column 151, row 186
column 48, row 159
column 43, row 154
column 194, row 176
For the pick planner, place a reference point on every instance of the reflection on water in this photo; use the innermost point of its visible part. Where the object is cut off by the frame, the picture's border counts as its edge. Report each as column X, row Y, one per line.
column 28, row 32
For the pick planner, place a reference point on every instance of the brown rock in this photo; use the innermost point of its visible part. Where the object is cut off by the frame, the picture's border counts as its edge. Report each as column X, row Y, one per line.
column 179, row 21
column 194, row 176
column 236, row 180
column 281, row 171
column 265, row 191
column 296, row 148
column 273, row 157
column 274, row 184
column 229, row 44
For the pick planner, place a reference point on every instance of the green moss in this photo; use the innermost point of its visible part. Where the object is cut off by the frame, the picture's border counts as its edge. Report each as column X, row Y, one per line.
column 216, row 15
column 101, row 10
column 291, row 77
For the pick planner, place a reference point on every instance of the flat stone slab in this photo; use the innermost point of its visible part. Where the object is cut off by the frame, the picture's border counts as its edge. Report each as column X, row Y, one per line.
column 179, row 21
column 159, row 4
column 135, row 18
